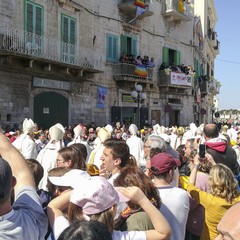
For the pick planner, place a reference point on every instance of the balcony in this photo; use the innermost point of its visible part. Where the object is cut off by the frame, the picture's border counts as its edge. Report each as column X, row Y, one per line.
column 216, row 49
column 129, row 9
column 204, row 88
column 176, row 11
column 214, row 87
column 124, row 72
column 174, row 82
column 22, row 44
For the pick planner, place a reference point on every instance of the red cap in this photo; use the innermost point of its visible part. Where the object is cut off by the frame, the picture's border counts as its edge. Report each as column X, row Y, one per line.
column 163, row 162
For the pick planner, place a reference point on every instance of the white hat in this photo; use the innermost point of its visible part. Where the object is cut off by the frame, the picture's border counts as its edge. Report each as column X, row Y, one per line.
column 133, row 129
column 70, row 179
column 103, row 134
column 109, row 128
column 78, row 130
column 28, row 126
column 166, row 137
column 56, row 132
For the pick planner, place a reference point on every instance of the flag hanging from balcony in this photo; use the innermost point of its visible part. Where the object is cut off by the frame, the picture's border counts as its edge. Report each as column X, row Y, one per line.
column 141, row 71
column 139, row 3
column 139, row 11
column 101, row 96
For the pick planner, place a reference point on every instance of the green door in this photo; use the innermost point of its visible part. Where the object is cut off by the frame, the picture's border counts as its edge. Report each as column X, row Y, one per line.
column 50, row 108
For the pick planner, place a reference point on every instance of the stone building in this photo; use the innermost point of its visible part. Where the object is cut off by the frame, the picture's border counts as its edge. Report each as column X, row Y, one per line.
column 59, row 61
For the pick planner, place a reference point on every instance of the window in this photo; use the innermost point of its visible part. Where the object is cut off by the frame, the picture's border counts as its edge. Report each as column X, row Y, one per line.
column 34, row 27
column 170, row 56
column 129, row 45
column 112, row 48
column 68, row 37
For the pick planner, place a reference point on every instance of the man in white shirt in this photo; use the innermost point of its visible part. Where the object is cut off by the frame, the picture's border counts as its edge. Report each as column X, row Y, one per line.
column 175, row 201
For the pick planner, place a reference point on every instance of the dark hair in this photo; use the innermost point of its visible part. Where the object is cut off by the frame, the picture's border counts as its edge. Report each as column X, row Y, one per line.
column 72, row 153
column 134, row 176
column 119, row 149
column 82, row 148
column 211, row 131
column 86, row 230
column 36, row 169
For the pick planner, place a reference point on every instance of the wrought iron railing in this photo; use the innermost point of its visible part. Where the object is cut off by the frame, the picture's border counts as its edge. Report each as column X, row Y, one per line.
column 23, row 42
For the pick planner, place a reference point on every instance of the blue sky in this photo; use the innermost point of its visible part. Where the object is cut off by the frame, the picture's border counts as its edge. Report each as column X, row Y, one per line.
column 227, row 63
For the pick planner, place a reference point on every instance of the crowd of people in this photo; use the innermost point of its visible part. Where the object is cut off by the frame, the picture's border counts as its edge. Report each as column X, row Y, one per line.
column 118, row 182
column 140, row 61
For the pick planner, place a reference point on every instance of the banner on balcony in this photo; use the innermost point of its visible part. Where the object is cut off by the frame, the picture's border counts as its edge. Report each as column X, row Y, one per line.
column 181, row 79
column 141, row 71
column 101, row 96
column 139, row 3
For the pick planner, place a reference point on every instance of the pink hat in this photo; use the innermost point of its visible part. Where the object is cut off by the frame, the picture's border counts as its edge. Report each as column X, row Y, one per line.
column 96, row 195
column 163, row 162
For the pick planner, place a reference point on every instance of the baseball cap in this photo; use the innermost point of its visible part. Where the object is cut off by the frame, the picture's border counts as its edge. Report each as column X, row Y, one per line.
column 96, row 195
column 70, row 179
column 5, row 179
column 162, row 162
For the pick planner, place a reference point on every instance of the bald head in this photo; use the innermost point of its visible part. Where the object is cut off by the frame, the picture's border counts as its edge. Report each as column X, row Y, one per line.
column 229, row 225
column 210, row 131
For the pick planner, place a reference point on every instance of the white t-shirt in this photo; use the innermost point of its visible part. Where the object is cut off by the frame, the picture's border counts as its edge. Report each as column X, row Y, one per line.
column 175, row 208
column 61, row 223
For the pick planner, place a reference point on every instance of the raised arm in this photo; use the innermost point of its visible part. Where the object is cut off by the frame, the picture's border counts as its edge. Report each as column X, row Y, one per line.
column 162, row 229
column 17, row 162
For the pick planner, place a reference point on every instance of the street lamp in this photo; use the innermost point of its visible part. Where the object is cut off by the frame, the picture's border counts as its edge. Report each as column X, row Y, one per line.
column 138, row 97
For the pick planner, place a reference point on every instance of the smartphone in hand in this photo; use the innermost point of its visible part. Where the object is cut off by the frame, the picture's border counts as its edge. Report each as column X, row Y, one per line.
column 202, row 151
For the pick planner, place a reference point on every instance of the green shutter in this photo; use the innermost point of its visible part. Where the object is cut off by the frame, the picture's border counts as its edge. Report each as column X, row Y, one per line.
column 29, row 17
column 111, row 48
column 34, row 18
column 38, row 27
column 134, row 48
column 72, row 31
column 177, row 57
column 196, row 68
column 165, row 56
column 124, row 44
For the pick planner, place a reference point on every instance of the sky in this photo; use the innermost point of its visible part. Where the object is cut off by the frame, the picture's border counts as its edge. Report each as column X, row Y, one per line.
column 227, row 63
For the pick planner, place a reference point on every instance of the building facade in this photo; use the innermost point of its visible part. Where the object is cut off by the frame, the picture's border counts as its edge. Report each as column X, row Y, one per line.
column 59, row 61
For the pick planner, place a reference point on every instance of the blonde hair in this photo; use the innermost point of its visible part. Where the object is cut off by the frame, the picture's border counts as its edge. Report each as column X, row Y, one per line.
column 222, row 183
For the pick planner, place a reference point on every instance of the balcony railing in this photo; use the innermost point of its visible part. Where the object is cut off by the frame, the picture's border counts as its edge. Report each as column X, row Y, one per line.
column 131, row 72
column 17, row 41
column 174, row 79
column 176, row 10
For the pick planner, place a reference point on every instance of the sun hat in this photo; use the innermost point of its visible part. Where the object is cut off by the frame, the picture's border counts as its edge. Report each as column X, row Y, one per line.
column 96, row 195
column 162, row 162
column 5, row 179
column 70, row 179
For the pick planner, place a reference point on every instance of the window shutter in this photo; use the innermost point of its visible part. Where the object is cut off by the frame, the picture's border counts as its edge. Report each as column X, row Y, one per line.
column 72, row 31
column 124, row 44
column 165, row 57
column 134, row 49
column 29, row 24
column 65, row 29
column 111, row 48
column 38, row 28
column 177, row 57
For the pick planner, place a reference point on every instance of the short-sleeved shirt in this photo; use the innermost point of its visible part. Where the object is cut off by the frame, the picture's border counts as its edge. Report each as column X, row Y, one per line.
column 215, row 207
column 26, row 220
column 61, row 223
